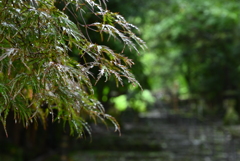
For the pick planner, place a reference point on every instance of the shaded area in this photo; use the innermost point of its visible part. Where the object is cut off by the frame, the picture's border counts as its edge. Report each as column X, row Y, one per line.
column 160, row 134
column 171, row 137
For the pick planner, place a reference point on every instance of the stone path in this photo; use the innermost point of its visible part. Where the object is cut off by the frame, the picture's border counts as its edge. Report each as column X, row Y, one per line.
column 162, row 139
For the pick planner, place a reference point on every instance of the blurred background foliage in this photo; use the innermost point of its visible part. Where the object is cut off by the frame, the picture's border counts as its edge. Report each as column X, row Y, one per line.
column 194, row 51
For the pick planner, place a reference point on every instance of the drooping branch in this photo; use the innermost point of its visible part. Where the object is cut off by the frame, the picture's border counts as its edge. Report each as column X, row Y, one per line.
column 35, row 39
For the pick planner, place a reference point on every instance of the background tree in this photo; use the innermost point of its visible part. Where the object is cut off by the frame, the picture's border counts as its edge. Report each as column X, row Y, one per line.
column 195, row 45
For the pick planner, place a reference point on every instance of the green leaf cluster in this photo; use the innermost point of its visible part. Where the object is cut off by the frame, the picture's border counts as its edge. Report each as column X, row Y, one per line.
column 38, row 78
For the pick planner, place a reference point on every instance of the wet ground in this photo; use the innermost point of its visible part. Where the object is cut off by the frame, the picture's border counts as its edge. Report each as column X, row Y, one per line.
column 170, row 138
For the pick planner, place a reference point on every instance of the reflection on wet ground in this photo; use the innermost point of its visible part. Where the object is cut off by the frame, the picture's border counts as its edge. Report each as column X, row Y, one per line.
column 170, row 138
